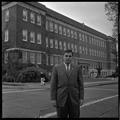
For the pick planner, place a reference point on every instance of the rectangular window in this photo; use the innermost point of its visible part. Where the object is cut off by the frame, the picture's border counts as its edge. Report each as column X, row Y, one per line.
column 90, row 39
column 24, row 32
column 72, row 35
column 56, row 28
column 51, row 26
column 60, row 45
column 39, row 20
column 51, row 43
column 47, row 59
column 56, row 44
column 69, row 46
column 83, row 37
column 80, row 37
column 72, row 46
column 60, row 29
column 51, row 60
column 75, row 35
column 25, row 17
column 32, row 17
column 6, row 15
column 39, row 41
column 32, row 57
column 86, row 50
column 80, row 49
column 68, row 32
column 64, row 46
column 56, row 59
column 89, row 51
column 76, row 48
column 32, row 37
column 83, row 50
column 24, row 56
column 39, row 58
column 46, row 24
column 64, row 31
column 47, row 44
column 6, row 36
column 6, row 57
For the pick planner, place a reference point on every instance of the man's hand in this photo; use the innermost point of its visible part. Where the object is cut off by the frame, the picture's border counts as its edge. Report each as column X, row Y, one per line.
column 81, row 102
column 53, row 103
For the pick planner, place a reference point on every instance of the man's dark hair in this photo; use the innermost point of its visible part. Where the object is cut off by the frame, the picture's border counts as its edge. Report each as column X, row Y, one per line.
column 68, row 51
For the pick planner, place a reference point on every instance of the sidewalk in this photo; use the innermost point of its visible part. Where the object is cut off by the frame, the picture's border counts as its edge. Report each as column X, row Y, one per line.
column 7, row 85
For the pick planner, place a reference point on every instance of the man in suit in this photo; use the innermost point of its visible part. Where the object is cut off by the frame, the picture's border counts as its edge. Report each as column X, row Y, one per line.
column 67, row 90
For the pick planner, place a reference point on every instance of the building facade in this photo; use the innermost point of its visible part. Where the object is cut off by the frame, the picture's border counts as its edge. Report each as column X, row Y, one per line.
column 42, row 35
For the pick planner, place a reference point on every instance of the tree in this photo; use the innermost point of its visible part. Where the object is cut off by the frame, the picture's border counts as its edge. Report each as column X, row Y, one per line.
column 111, row 9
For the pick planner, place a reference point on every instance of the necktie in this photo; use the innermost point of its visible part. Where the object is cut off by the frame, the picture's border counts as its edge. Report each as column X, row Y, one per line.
column 68, row 68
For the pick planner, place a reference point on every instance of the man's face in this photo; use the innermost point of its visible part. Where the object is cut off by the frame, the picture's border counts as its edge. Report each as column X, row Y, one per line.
column 67, row 57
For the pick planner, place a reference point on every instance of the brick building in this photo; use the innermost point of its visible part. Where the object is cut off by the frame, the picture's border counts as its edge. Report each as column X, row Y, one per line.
column 42, row 35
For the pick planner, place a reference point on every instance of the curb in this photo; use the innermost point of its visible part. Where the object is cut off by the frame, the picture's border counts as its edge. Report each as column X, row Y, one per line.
column 100, row 84
column 47, row 86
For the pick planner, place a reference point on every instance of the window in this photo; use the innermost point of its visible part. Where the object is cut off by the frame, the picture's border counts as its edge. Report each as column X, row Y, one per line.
column 80, row 49
column 60, row 59
column 6, row 36
column 97, row 42
column 86, row 51
column 47, row 25
column 75, row 35
column 68, row 32
column 32, row 37
column 47, row 45
column 25, row 17
column 60, row 29
column 24, row 56
column 64, row 31
column 60, row 45
column 6, row 57
column 72, row 46
column 56, row 44
column 51, row 60
column 56, row 59
column 32, row 17
column 80, row 37
column 39, row 58
column 39, row 38
column 51, row 26
column 83, row 49
column 72, row 35
column 90, row 39
column 56, row 28
column 32, row 57
column 76, row 48
column 24, row 32
column 47, row 59
column 83, row 37
column 89, row 51
column 51, row 43
column 69, row 46
column 39, row 19
column 64, row 46
column 6, row 15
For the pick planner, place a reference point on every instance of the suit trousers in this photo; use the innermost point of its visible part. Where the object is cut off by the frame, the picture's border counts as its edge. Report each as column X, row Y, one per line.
column 69, row 110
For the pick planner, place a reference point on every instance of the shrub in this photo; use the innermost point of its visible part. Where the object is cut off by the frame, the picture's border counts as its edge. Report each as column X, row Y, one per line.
column 30, row 74
column 8, row 78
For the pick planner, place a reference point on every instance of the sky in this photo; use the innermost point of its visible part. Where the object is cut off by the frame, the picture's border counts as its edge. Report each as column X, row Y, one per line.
column 91, row 14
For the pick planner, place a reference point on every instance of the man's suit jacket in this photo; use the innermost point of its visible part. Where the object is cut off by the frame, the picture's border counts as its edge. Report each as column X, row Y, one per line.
column 63, row 83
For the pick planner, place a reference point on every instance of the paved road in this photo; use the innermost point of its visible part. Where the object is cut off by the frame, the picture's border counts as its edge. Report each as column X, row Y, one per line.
column 100, row 101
